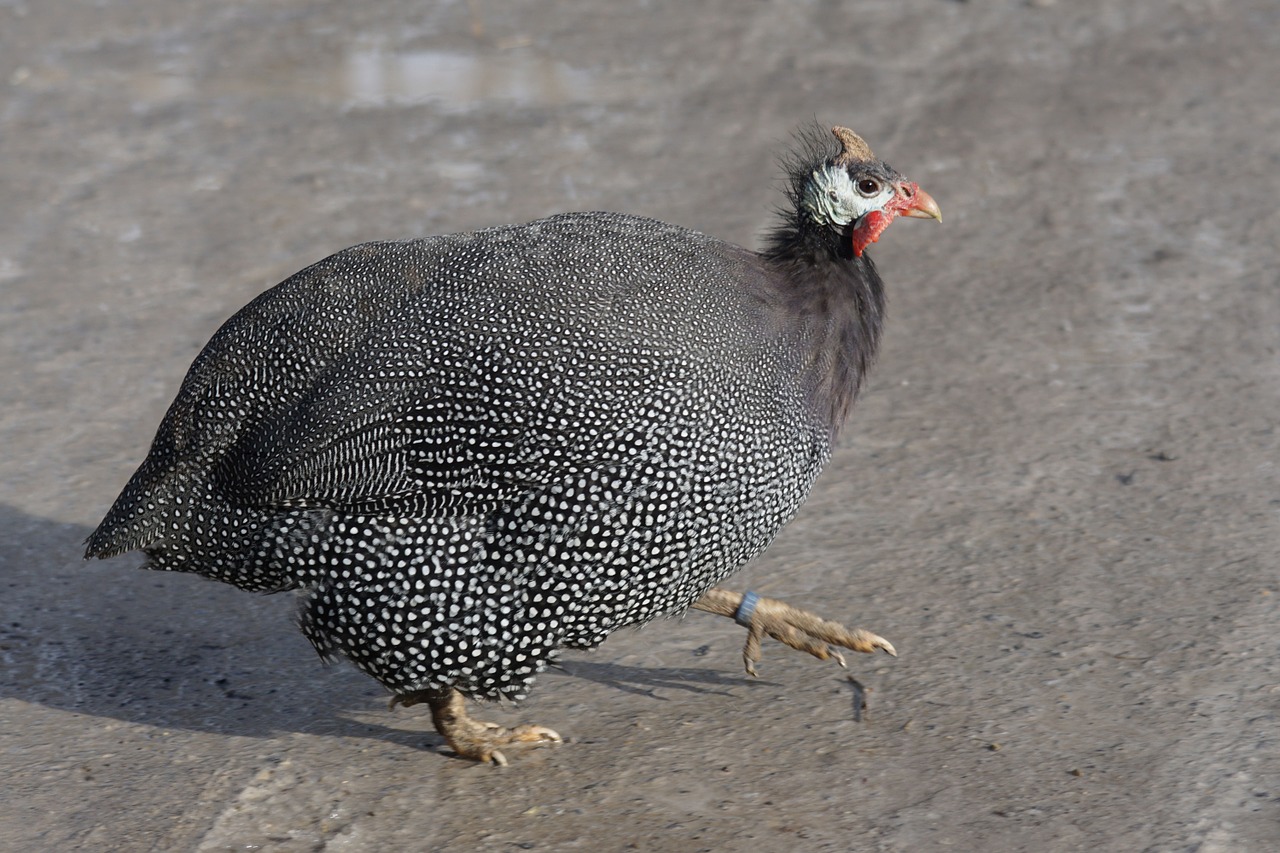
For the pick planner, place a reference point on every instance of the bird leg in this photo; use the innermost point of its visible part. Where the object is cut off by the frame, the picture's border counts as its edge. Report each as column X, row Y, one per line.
column 798, row 628
column 471, row 738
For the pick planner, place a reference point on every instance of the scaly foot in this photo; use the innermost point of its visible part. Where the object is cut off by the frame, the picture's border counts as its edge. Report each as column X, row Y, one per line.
column 474, row 739
column 798, row 628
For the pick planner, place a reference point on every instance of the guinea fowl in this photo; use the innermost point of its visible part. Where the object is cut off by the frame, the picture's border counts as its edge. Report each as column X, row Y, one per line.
column 470, row 451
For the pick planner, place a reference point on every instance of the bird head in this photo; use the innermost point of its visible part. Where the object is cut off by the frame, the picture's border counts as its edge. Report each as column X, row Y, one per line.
column 857, row 196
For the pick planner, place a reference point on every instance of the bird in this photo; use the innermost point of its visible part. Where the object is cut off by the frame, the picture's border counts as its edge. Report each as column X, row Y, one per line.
column 466, row 453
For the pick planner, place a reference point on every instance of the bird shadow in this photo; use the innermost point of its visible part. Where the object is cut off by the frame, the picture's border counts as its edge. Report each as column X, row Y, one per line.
column 647, row 681
column 177, row 651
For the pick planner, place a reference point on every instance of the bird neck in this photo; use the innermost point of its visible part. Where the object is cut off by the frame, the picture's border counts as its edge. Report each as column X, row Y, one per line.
column 834, row 305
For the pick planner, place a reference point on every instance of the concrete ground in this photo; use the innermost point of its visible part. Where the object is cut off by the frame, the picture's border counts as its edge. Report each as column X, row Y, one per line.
column 1058, row 496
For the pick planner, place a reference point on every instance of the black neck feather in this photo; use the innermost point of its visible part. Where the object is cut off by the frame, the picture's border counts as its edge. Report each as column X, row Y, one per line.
column 834, row 303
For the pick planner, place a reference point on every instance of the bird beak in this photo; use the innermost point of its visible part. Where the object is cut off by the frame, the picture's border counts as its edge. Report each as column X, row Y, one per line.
column 917, row 203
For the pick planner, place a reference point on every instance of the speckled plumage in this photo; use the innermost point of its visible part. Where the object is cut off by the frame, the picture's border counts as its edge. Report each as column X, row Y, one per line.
column 470, row 451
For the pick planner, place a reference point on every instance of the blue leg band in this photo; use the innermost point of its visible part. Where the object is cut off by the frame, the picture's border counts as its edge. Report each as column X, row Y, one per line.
column 746, row 609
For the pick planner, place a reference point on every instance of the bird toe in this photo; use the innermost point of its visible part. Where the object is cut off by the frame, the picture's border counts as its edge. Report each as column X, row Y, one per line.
column 535, row 735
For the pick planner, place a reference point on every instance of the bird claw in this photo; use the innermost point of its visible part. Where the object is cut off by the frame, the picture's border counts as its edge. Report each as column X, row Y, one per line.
column 523, row 737
column 475, row 739
column 799, row 629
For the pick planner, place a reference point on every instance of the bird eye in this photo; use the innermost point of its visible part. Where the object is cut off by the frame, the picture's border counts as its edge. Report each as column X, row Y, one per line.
column 868, row 187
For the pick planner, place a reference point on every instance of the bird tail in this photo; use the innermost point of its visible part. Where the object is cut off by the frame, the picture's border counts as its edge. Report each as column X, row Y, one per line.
column 183, row 529
column 136, row 519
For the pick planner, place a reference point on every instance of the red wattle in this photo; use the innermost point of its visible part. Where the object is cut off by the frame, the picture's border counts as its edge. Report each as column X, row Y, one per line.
column 873, row 225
